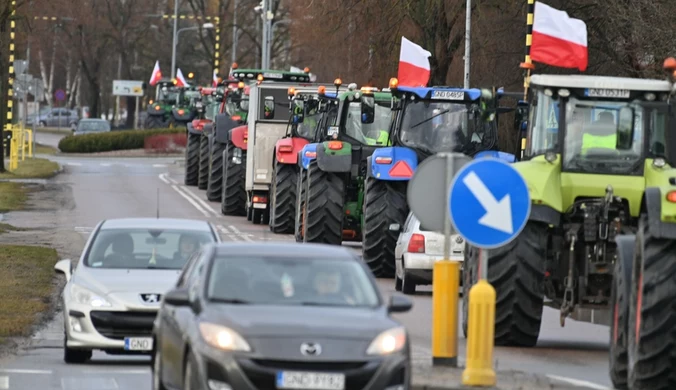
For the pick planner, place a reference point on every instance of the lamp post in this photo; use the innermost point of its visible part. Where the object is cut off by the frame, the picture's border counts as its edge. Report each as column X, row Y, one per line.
column 205, row 26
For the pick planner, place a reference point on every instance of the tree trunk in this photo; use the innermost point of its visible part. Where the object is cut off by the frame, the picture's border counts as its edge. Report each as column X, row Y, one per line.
column 94, row 98
column 43, row 73
column 50, row 89
column 131, row 112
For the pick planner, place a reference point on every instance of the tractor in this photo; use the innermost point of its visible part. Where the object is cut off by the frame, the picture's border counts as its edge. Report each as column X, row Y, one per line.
column 205, row 109
column 160, row 109
column 597, row 163
column 307, row 109
column 184, row 110
column 426, row 121
column 333, row 170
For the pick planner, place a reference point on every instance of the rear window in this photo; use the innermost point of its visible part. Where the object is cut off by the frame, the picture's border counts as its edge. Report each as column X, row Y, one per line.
column 277, row 98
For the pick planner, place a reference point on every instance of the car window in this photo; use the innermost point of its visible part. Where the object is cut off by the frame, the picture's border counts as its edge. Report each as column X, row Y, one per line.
column 291, row 281
column 188, row 269
column 144, row 248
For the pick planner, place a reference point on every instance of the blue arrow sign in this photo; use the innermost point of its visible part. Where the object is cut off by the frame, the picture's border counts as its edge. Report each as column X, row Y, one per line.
column 489, row 203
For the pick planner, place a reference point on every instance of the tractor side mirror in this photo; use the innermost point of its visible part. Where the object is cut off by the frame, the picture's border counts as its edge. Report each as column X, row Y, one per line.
column 298, row 110
column 368, row 109
column 488, row 105
column 625, row 128
column 269, row 107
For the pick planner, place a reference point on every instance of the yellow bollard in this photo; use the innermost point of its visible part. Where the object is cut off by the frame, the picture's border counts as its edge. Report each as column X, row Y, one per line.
column 480, row 336
column 29, row 134
column 22, row 144
column 14, row 151
column 445, row 285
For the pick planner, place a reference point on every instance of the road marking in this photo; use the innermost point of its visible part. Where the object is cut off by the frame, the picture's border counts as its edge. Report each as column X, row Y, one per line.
column 84, row 383
column 192, row 202
column 105, row 164
column 159, row 165
column 82, row 229
column 123, row 372
column 578, row 382
column 24, row 371
column 227, row 233
column 72, row 164
column 171, row 179
column 163, row 177
column 4, row 382
column 204, row 204
column 239, row 233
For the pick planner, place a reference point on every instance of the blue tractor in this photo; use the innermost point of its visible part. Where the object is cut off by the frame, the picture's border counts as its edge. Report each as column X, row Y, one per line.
column 426, row 121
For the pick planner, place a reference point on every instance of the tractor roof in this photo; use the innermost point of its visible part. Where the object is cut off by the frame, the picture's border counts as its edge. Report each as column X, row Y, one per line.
column 440, row 93
column 379, row 95
column 601, row 82
column 270, row 75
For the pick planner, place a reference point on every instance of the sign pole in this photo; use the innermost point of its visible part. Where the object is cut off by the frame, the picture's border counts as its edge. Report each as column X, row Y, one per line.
column 136, row 114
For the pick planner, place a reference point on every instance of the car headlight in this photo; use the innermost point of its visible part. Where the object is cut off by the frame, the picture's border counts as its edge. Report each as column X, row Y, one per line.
column 83, row 296
column 389, row 341
column 223, row 338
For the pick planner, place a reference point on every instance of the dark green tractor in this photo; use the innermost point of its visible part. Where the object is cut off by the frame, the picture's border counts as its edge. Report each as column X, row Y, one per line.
column 184, row 109
column 160, row 109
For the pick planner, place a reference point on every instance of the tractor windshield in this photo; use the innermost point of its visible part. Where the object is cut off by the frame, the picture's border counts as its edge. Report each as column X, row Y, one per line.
column 375, row 133
column 168, row 95
column 187, row 97
column 212, row 110
column 439, row 126
column 236, row 102
column 312, row 116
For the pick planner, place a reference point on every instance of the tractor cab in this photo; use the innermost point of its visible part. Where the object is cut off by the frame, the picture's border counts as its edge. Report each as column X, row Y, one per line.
column 311, row 112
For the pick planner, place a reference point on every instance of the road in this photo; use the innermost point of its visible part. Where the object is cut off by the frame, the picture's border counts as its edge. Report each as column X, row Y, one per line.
column 129, row 187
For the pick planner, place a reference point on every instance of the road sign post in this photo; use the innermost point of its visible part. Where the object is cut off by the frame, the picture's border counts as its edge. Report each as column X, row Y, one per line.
column 427, row 195
column 489, row 205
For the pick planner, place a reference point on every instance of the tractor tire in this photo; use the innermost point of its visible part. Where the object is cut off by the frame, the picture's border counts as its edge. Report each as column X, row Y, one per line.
column 154, row 122
column 192, row 159
column 517, row 272
column 301, row 185
column 384, row 204
column 215, row 180
column 233, row 194
column 650, row 352
column 283, row 203
column 203, row 174
column 619, row 314
column 325, row 207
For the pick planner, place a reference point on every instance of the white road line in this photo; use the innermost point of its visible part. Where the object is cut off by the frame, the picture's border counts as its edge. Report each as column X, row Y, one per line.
column 239, row 233
column 227, row 233
column 105, row 164
column 170, row 178
column 4, row 382
column 163, row 177
column 72, row 164
column 204, row 204
column 192, row 202
column 159, row 165
column 118, row 372
column 25, row 371
column 578, row 382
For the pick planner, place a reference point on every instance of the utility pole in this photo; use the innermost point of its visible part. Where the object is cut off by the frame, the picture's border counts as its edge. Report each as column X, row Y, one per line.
column 234, row 32
column 468, row 28
column 117, row 98
column 264, row 39
column 173, row 51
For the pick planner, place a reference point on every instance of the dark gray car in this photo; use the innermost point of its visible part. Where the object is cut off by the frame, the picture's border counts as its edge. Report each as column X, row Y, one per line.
column 252, row 316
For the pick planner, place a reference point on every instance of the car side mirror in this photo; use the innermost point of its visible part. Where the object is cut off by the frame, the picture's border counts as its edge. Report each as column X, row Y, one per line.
column 65, row 267
column 399, row 304
column 178, row 297
column 625, row 128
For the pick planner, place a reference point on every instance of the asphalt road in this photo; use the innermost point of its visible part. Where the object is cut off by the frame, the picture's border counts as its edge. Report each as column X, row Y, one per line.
column 128, row 187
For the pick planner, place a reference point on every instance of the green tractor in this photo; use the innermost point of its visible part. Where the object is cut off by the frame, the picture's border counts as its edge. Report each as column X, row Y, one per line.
column 598, row 165
column 160, row 109
column 333, row 170
column 184, row 109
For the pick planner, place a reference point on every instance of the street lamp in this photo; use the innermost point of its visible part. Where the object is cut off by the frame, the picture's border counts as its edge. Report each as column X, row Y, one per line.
column 205, row 26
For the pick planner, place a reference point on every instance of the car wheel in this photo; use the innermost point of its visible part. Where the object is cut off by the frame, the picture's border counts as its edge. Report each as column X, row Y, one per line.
column 397, row 283
column 74, row 356
column 407, row 285
column 157, row 370
column 190, row 378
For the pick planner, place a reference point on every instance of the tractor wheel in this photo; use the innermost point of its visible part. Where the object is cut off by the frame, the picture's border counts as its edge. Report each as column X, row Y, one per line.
column 619, row 310
column 516, row 271
column 324, row 209
column 384, row 205
column 283, row 202
column 233, row 194
column 192, row 159
column 215, row 181
column 301, row 183
column 652, row 316
column 154, row 122
column 203, row 174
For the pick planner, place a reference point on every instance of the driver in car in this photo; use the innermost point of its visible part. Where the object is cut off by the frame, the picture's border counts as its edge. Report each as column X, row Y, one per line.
column 601, row 134
column 329, row 286
column 122, row 251
column 187, row 246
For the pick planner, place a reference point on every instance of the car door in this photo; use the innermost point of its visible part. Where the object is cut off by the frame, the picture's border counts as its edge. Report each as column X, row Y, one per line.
column 52, row 118
column 171, row 337
column 65, row 118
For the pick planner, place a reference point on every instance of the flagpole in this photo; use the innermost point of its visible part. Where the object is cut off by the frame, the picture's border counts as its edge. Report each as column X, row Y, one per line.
column 528, row 64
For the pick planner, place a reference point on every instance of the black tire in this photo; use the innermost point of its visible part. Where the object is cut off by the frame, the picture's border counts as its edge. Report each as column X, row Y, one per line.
column 397, row 283
column 407, row 284
column 192, row 159
column 283, row 202
column 516, row 271
column 384, row 204
column 300, row 204
column 619, row 312
column 325, row 207
column 233, row 194
column 154, row 122
column 203, row 173
column 650, row 355
column 215, row 180
column 74, row 356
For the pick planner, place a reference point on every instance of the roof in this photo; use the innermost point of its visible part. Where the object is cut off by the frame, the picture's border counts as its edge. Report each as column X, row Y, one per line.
column 605, row 82
column 270, row 75
column 426, row 92
column 156, row 223
column 380, row 96
column 285, row 249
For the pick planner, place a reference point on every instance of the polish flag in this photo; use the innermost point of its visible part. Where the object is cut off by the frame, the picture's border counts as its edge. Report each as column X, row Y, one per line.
column 157, row 75
column 558, row 40
column 414, row 65
column 215, row 79
column 180, row 79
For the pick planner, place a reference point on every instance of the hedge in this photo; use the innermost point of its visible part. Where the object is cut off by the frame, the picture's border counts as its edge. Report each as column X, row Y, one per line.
column 109, row 141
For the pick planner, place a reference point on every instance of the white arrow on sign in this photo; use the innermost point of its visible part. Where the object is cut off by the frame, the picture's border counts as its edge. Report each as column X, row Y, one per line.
column 498, row 213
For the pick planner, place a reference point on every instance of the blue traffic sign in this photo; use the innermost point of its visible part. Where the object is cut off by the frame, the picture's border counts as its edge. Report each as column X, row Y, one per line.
column 489, row 203
column 60, row 95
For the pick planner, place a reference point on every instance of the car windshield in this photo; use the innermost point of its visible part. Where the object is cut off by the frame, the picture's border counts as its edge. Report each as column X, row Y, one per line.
column 437, row 126
column 144, row 248
column 290, row 281
column 308, row 128
column 86, row 125
column 375, row 133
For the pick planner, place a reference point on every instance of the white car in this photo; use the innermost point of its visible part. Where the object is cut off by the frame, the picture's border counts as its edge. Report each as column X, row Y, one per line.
column 111, row 299
column 416, row 252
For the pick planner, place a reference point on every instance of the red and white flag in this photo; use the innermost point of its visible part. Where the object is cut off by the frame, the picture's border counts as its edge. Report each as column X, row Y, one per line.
column 180, row 80
column 558, row 40
column 414, row 65
column 215, row 79
column 157, row 75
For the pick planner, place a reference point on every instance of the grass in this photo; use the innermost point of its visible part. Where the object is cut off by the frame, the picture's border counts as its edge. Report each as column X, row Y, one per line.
column 12, row 197
column 5, row 227
column 44, row 149
column 25, row 287
column 32, row 168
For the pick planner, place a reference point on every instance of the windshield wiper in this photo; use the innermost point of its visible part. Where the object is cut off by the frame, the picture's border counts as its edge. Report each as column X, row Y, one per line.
column 233, row 301
column 324, row 304
column 430, row 118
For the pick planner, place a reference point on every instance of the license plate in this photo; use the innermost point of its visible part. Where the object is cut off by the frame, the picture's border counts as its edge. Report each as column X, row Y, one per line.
column 611, row 93
column 138, row 344
column 310, row 380
column 273, row 76
column 450, row 95
column 259, row 205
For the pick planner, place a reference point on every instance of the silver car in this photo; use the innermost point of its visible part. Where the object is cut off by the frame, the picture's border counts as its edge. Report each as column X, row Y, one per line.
column 111, row 298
